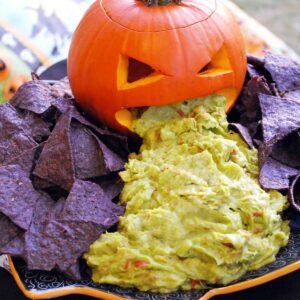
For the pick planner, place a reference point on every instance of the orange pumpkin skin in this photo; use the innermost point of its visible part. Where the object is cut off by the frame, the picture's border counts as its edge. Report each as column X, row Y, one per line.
column 192, row 50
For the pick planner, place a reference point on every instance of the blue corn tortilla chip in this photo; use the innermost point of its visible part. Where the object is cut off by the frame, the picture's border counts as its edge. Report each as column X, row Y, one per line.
column 34, row 236
column 275, row 175
column 112, row 185
column 63, row 87
column 293, row 95
column 60, row 232
column 8, row 230
column 14, row 247
column 280, row 116
column 251, row 114
column 61, row 242
column 244, row 133
column 41, row 184
column 17, row 195
column 117, row 143
column 66, row 242
column 87, row 202
column 35, row 126
column 74, row 146
column 112, row 161
column 55, row 163
column 294, row 193
column 287, row 150
column 26, row 160
column 255, row 66
column 35, row 96
column 62, row 105
column 277, row 125
column 88, row 158
column 13, row 139
column 284, row 71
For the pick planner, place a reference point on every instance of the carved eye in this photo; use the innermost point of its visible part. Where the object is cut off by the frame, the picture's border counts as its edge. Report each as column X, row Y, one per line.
column 218, row 65
column 138, row 70
column 133, row 73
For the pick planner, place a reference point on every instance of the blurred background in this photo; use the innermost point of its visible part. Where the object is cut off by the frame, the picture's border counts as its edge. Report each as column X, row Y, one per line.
column 282, row 17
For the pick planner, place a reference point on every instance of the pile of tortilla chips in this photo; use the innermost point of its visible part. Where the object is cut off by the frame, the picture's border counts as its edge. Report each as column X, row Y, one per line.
column 267, row 115
column 58, row 177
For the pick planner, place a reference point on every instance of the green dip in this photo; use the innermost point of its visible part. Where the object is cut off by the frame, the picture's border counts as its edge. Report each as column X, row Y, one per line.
column 196, row 214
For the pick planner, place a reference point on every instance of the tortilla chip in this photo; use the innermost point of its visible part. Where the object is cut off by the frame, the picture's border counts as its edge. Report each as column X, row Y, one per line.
column 55, row 164
column 8, row 230
column 244, row 133
column 250, row 101
column 117, row 143
column 287, row 150
column 61, row 242
column 112, row 185
column 35, row 96
column 13, row 139
column 15, row 247
column 255, row 65
column 26, row 160
column 41, row 184
column 294, row 193
column 63, row 105
column 275, row 175
column 280, row 117
column 17, row 195
column 284, row 71
column 35, row 126
column 67, row 241
column 34, row 236
column 88, row 158
column 87, row 202
column 63, row 88
column 295, row 95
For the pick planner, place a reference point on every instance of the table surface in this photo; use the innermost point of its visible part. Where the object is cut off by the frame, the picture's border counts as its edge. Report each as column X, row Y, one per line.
column 285, row 288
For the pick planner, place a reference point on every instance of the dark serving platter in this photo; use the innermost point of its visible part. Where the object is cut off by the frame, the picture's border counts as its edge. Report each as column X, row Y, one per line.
column 41, row 285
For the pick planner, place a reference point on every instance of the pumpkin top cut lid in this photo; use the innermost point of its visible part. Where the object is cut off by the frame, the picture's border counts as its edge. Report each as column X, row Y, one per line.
column 137, row 16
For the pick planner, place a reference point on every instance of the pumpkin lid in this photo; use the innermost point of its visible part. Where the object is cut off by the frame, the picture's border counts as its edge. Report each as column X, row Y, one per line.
column 190, row 12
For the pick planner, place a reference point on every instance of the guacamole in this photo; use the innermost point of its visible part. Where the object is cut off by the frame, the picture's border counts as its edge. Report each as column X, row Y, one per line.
column 196, row 214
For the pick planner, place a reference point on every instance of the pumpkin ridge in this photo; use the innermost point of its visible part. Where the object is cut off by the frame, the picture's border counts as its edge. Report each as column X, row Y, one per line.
column 163, row 30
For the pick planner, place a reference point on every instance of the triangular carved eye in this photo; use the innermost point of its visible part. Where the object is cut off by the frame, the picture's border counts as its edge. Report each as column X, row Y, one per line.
column 205, row 68
column 137, row 70
column 218, row 65
column 133, row 73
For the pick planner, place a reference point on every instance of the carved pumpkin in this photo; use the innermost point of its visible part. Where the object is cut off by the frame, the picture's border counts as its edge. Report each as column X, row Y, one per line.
column 126, row 54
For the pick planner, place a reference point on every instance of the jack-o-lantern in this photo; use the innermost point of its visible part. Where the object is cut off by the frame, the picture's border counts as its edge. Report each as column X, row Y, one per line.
column 127, row 54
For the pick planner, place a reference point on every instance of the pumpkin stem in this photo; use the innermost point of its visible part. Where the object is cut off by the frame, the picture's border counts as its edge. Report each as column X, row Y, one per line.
column 160, row 2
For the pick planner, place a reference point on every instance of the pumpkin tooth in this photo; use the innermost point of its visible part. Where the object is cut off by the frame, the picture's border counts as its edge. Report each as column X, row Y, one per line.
column 124, row 117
